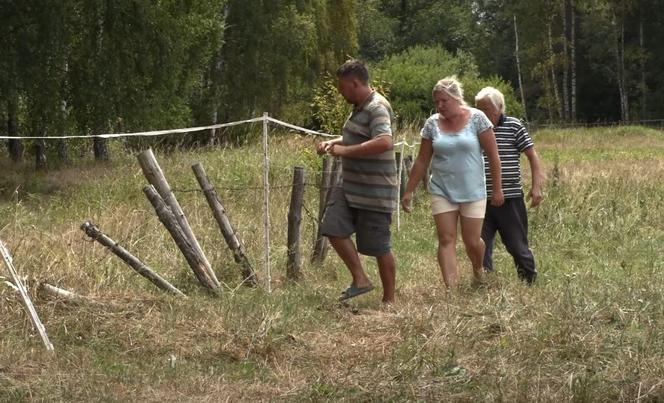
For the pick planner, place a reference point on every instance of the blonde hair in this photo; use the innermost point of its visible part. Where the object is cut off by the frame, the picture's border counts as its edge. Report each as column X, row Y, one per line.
column 495, row 96
column 452, row 87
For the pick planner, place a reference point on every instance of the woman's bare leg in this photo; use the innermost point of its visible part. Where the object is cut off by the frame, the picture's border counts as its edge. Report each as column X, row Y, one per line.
column 471, row 229
column 446, row 227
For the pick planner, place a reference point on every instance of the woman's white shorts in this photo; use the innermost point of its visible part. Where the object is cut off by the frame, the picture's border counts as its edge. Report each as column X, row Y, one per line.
column 474, row 209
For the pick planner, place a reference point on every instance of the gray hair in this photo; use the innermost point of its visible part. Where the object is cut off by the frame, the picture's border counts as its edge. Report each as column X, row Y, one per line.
column 496, row 97
column 452, row 87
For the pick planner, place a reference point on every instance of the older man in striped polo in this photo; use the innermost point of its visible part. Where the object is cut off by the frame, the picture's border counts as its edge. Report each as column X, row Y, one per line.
column 363, row 205
column 510, row 220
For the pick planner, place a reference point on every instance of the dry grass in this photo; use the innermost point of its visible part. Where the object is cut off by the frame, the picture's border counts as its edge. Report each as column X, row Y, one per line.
column 590, row 330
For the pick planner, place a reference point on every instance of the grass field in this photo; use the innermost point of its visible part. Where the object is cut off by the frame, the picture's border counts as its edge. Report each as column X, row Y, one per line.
column 591, row 329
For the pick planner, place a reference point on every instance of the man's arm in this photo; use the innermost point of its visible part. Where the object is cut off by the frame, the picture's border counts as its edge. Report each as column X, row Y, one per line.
column 377, row 145
column 535, row 196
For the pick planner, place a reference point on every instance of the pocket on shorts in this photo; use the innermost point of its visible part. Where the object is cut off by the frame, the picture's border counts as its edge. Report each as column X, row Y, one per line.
column 373, row 233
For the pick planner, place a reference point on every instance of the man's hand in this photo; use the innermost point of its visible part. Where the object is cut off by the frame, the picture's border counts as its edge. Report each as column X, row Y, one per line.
column 497, row 198
column 406, row 202
column 324, row 146
column 338, row 150
column 535, row 196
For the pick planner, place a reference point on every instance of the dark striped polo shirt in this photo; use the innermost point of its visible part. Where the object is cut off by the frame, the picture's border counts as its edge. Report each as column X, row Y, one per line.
column 513, row 139
column 370, row 182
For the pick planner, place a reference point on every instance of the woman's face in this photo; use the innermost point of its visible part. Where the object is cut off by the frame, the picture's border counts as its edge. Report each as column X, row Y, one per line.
column 446, row 105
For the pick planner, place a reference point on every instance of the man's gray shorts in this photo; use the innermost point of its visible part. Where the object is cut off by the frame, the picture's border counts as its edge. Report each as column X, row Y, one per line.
column 371, row 228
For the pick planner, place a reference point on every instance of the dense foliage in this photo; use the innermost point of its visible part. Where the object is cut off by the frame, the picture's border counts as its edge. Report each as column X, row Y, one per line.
column 92, row 66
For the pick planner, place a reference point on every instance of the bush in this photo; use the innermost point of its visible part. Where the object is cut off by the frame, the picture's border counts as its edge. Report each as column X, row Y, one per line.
column 330, row 110
column 413, row 73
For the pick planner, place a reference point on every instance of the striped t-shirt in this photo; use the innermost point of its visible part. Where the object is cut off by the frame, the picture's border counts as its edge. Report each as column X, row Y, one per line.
column 513, row 139
column 370, row 182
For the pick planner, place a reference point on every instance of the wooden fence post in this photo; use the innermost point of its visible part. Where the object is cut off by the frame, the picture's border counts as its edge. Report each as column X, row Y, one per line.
column 294, row 219
column 95, row 233
column 426, row 178
column 197, row 264
column 326, row 174
column 329, row 179
column 398, row 157
column 32, row 312
column 156, row 178
column 227, row 230
column 407, row 166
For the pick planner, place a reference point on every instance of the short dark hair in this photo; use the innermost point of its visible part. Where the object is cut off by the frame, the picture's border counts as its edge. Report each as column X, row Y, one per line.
column 354, row 68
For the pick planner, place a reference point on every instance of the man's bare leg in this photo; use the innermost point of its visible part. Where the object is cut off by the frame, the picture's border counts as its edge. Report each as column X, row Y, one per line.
column 387, row 270
column 345, row 248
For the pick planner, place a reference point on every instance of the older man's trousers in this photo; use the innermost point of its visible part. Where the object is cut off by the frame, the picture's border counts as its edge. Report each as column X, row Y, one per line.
column 511, row 221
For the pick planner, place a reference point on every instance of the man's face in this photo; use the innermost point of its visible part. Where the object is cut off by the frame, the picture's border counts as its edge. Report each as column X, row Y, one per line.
column 347, row 87
column 486, row 106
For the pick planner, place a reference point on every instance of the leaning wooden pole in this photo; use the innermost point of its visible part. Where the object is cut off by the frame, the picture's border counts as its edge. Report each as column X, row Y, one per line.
column 66, row 295
column 294, row 219
column 46, row 289
column 26, row 297
column 95, row 233
column 227, row 230
column 156, row 178
column 198, row 266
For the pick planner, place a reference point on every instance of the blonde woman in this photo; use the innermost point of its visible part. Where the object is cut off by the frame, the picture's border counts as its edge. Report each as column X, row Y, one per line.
column 452, row 143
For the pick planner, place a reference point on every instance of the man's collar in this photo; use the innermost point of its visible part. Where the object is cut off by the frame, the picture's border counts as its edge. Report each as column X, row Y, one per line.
column 366, row 101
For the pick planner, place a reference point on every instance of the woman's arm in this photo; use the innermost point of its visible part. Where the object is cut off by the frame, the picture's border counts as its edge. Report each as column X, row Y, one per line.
column 488, row 143
column 417, row 172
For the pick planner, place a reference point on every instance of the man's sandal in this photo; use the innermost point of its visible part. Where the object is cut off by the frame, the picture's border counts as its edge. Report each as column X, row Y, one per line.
column 354, row 291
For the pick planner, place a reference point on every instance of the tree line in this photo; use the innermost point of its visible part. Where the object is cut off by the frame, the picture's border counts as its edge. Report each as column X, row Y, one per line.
column 579, row 60
column 98, row 66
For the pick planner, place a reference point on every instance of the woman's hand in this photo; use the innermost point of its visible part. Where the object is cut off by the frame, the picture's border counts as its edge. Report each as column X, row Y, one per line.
column 497, row 198
column 406, row 202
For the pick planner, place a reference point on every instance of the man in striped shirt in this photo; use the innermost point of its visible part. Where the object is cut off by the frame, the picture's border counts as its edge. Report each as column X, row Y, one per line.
column 363, row 205
column 510, row 220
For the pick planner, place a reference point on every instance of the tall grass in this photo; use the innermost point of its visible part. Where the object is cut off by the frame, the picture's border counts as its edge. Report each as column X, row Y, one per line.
column 589, row 330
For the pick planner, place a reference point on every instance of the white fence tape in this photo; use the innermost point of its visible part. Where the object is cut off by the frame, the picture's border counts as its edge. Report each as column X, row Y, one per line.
column 137, row 134
column 171, row 131
column 302, row 129
column 187, row 130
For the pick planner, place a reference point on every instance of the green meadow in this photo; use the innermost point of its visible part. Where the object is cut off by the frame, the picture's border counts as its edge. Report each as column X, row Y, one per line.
column 590, row 329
